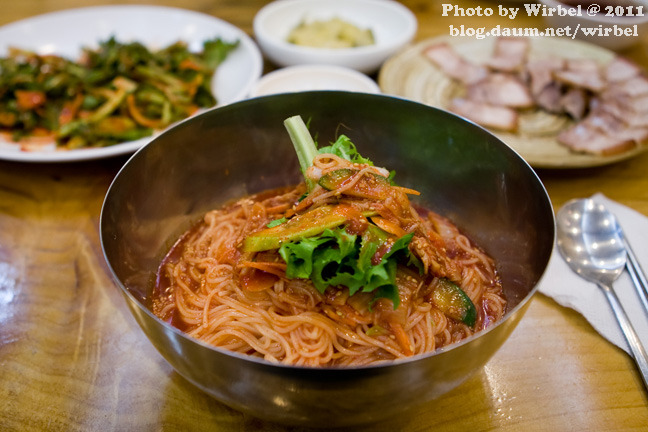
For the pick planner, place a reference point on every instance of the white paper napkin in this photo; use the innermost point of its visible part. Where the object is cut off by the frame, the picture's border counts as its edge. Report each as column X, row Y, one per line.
column 570, row 290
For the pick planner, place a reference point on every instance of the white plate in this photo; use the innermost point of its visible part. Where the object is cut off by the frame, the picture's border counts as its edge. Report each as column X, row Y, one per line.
column 410, row 74
column 314, row 77
column 65, row 33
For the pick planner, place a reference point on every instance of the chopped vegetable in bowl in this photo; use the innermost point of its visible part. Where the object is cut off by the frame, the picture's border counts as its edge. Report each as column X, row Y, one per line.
column 118, row 92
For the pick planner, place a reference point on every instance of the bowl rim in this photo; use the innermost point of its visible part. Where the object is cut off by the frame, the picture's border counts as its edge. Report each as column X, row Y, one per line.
column 265, row 37
column 523, row 303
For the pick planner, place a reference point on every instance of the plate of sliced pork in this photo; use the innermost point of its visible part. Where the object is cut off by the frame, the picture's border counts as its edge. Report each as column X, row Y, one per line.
column 560, row 103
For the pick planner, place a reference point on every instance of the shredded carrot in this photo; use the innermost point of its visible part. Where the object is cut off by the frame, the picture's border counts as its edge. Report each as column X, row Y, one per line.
column 401, row 338
column 39, row 132
column 191, row 109
column 342, row 313
column 7, row 119
column 256, row 280
column 389, row 226
column 190, row 64
column 191, row 87
column 70, row 109
column 275, row 268
column 139, row 117
column 407, row 190
column 277, row 209
column 29, row 99
column 303, row 204
column 289, row 213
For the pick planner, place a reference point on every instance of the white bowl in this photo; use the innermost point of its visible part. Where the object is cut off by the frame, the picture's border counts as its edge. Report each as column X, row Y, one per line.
column 582, row 19
column 392, row 24
column 313, row 77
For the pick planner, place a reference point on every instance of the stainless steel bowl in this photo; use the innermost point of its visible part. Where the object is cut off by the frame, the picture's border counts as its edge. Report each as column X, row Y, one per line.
column 462, row 171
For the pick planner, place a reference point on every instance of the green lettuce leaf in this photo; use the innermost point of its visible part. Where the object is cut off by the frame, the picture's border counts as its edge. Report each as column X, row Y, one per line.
column 344, row 148
column 338, row 258
column 299, row 256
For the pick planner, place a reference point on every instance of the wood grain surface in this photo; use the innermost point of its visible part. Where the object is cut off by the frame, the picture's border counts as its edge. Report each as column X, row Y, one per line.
column 73, row 359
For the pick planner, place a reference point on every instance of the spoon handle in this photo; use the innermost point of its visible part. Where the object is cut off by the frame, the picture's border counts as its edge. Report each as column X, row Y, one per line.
column 638, row 351
column 637, row 275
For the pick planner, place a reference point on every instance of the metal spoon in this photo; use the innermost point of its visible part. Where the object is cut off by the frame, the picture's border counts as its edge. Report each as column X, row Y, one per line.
column 590, row 240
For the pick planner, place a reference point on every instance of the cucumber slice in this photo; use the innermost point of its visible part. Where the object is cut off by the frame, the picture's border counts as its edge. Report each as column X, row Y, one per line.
column 454, row 302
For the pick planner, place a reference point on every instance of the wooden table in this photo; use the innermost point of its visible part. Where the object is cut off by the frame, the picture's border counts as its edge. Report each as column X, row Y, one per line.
column 73, row 359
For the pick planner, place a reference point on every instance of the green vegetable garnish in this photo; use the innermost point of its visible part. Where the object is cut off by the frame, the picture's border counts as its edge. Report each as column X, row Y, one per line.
column 344, row 148
column 337, row 258
column 304, row 145
column 306, row 148
column 117, row 92
column 454, row 302
column 371, row 185
column 309, row 224
column 334, row 179
column 276, row 222
column 316, row 245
